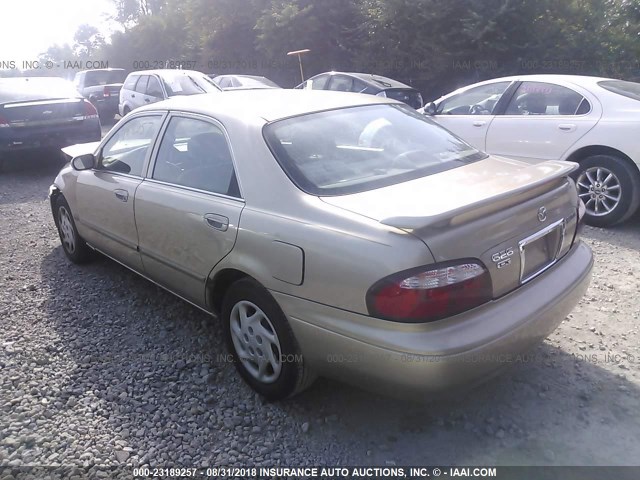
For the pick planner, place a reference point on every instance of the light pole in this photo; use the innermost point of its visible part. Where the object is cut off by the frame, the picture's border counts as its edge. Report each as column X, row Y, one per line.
column 299, row 53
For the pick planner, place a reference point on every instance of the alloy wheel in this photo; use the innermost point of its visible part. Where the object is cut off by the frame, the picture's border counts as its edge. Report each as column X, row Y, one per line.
column 599, row 188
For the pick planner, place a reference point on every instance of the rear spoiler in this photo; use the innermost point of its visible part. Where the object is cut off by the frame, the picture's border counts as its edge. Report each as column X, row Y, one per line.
column 531, row 178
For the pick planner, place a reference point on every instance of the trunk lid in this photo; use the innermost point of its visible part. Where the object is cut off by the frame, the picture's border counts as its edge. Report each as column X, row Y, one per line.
column 518, row 219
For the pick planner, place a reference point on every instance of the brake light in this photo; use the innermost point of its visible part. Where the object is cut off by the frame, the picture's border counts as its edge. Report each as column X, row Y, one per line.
column 89, row 110
column 430, row 293
column 4, row 122
column 106, row 92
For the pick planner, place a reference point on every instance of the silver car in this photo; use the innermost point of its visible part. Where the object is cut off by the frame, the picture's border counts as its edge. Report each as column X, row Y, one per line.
column 333, row 234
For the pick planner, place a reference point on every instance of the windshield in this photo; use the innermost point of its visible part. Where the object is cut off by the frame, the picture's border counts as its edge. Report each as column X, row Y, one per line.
column 182, row 83
column 626, row 89
column 409, row 96
column 104, row 77
column 24, row 89
column 355, row 149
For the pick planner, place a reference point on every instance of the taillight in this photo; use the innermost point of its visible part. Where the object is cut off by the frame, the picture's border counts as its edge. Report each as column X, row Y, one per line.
column 580, row 226
column 4, row 122
column 430, row 293
column 106, row 92
column 89, row 110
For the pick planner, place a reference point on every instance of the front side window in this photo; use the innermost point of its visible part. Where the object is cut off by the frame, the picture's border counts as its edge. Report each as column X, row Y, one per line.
column 355, row 149
column 480, row 100
column 538, row 98
column 141, row 85
column 153, row 88
column 195, row 153
column 126, row 151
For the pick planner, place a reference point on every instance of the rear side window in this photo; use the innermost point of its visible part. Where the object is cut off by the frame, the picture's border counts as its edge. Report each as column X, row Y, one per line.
column 340, row 83
column 538, row 98
column 153, row 88
column 356, row 149
column 194, row 153
column 130, row 83
column 626, row 89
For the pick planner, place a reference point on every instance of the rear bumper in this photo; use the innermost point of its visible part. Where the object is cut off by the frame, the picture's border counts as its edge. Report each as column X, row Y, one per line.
column 25, row 138
column 448, row 354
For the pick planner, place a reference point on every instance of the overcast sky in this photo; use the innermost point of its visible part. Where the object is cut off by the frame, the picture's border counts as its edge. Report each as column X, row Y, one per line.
column 29, row 27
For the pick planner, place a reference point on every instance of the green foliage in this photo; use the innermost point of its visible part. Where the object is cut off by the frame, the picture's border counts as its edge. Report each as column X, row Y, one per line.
column 435, row 45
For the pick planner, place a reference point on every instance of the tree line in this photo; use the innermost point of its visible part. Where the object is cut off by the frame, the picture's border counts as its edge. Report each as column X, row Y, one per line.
column 434, row 45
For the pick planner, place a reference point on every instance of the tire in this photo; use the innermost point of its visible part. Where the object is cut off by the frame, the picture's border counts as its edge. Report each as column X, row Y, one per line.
column 74, row 246
column 610, row 189
column 284, row 373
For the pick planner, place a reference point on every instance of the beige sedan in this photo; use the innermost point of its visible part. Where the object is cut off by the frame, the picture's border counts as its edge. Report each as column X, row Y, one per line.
column 333, row 234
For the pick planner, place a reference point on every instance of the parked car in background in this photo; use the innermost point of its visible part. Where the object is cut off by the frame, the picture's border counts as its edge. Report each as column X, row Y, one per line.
column 102, row 88
column 43, row 113
column 150, row 86
column 245, row 82
column 364, row 83
column 588, row 120
column 321, row 227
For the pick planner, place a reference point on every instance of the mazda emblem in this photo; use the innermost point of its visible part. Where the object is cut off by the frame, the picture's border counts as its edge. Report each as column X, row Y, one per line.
column 542, row 214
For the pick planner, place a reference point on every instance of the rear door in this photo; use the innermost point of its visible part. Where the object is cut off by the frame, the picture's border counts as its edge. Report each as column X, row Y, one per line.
column 105, row 194
column 542, row 121
column 469, row 113
column 137, row 96
column 188, row 208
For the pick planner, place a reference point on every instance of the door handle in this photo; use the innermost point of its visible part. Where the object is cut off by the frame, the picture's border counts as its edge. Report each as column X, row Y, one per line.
column 219, row 222
column 147, row 100
column 121, row 195
column 133, row 95
column 479, row 123
column 567, row 127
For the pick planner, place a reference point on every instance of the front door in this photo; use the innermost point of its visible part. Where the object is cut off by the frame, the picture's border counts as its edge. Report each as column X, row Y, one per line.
column 469, row 113
column 105, row 195
column 188, row 209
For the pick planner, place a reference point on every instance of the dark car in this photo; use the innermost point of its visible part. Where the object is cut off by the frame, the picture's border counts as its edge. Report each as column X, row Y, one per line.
column 365, row 83
column 243, row 82
column 102, row 88
column 44, row 113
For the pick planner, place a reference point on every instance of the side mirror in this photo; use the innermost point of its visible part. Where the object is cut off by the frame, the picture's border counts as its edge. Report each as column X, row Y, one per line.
column 430, row 109
column 84, row 162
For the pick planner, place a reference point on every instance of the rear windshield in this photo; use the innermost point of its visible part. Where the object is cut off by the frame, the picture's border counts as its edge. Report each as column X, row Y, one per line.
column 408, row 96
column 356, row 149
column 256, row 82
column 179, row 83
column 25, row 89
column 627, row 89
column 104, row 77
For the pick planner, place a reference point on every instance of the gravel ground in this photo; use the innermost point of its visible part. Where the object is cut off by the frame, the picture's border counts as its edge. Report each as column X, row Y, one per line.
column 100, row 367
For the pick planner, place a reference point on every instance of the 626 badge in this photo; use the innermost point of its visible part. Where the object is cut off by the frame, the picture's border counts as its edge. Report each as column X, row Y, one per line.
column 503, row 258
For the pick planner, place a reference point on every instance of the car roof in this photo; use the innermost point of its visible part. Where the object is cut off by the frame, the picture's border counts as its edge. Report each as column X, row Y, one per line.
column 110, row 69
column 374, row 80
column 266, row 104
column 583, row 80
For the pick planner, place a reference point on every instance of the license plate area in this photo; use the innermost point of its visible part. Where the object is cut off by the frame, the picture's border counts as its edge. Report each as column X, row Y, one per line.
column 541, row 250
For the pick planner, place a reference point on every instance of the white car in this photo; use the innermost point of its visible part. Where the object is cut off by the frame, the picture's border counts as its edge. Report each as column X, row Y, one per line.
column 588, row 120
